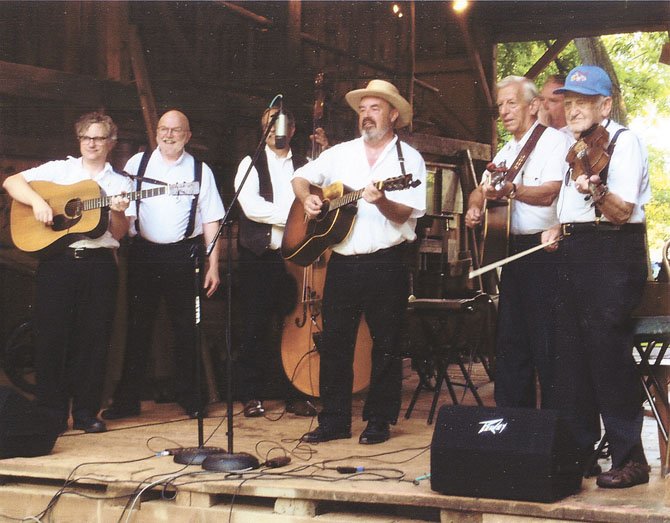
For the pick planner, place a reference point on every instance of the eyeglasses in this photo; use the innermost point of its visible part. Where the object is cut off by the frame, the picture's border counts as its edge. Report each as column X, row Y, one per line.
column 96, row 140
column 174, row 130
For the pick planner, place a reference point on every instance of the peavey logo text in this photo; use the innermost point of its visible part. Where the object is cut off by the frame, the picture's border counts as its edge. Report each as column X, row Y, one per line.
column 494, row 426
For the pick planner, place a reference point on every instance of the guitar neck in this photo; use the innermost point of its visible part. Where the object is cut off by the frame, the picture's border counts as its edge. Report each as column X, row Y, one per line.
column 351, row 197
column 105, row 201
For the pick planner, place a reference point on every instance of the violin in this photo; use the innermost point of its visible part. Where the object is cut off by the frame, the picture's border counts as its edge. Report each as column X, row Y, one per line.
column 588, row 155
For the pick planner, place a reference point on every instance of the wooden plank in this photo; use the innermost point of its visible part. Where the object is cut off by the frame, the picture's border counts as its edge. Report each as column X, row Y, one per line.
column 147, row 101
column 551, row 53
column 442, row 146
column 475, row 60
column 39, row 83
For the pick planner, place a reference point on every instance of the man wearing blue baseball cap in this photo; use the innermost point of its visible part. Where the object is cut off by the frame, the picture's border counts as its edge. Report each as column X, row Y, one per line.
column 602, row 272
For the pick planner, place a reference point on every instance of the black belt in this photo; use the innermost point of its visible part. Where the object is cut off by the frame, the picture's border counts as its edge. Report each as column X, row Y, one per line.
column 577, row 228
column 84, row 253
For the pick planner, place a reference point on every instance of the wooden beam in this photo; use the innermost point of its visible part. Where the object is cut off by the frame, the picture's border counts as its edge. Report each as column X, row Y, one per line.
column 73, row 90
column 28, row 81
column 310, row 39
column 293, row 26
column 429, row 144
column 147, row 101
column 549, row 56
column 115, row 27
column 476, row 60
column 245, row 13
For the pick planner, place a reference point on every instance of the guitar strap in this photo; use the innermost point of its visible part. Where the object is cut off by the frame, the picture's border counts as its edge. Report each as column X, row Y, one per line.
column 525, row 152
column 197, row 177
column 401, row 158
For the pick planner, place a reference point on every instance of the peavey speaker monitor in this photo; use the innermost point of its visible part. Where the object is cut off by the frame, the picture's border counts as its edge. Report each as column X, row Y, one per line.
column 505, row 453
column 25, row 431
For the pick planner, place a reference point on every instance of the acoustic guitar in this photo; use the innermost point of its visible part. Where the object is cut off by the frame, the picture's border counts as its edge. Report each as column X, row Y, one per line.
column 497, row 220
column 78, row 211
column 305, row 239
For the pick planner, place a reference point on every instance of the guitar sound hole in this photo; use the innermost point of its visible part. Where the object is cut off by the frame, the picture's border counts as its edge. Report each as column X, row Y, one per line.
column 73, row 208
column 324, row 210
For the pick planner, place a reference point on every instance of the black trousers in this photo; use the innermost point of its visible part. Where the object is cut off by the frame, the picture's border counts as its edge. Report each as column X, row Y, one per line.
column 376, row 285
column 526, row 317
column 601, row 279
column 266, row 295
column 74, row 314
column 158, row 271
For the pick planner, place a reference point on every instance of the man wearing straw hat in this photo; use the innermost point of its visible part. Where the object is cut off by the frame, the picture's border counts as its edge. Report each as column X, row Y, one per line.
column 367, row 273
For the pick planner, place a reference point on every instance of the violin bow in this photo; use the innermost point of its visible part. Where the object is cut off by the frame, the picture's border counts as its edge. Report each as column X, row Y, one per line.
column 499, row 263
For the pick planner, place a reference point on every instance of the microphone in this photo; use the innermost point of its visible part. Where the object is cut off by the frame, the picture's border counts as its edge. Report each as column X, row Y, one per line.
column 280, row 127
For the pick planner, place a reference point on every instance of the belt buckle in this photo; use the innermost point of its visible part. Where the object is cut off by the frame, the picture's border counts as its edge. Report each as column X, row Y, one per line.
column 567, row 229
column 79, row 253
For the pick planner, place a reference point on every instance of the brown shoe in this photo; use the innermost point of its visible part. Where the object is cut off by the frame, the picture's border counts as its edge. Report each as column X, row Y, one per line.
column 253, row 409
column 630, row 474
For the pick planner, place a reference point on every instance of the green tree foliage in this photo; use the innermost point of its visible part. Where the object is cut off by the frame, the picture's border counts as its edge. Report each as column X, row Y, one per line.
column 645, row 86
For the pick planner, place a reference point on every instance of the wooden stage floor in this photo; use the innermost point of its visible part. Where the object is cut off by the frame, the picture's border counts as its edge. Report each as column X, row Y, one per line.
column 109, row 474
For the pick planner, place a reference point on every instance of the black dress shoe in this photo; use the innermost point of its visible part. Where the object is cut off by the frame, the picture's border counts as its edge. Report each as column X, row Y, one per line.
column 89, row 424
column 301, row 408
column 253, row 409
column 589, row 461
column 629, row 474
column 119, row 412
column 321, row 434
column 375, row 432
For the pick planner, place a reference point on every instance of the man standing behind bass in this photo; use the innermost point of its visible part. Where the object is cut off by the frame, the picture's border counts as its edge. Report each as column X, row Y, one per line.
column 527, row 285
column 602, row 271
column 76, row 288
column 366, row 272
column 265, row 199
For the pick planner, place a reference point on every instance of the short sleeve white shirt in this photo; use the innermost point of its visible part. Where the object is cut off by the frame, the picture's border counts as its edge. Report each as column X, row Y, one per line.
column 163, row 219
column 546, row 163
column 628, row 178
column 70, row 171
column 347, row 162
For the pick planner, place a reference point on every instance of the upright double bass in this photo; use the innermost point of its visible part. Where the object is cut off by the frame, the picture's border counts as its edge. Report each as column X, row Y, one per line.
column 301, row 336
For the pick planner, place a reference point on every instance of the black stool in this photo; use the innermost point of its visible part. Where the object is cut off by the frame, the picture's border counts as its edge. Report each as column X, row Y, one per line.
column 452, row 328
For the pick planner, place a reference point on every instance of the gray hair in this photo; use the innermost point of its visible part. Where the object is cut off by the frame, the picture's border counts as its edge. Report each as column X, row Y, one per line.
column 528, row 88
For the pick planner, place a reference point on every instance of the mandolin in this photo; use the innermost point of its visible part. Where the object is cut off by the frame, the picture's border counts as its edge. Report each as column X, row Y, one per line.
column 78, row 211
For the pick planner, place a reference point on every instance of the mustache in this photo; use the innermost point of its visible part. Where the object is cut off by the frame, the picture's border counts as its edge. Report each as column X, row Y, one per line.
column 367, row 119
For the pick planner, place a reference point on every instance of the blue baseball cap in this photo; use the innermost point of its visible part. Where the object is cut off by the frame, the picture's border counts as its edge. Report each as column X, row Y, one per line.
column 587, row 79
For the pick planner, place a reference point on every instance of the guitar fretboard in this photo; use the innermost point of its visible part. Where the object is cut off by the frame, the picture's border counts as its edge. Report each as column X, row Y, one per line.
column 105, row 201
column 350, row 197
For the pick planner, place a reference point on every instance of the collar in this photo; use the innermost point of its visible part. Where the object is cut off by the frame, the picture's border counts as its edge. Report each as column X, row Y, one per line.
column 177, row 162
column 526, row 135
column 107, row 169
column 270, row 153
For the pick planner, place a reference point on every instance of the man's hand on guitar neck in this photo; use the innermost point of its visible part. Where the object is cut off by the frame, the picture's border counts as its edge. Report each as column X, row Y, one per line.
column 491, row 193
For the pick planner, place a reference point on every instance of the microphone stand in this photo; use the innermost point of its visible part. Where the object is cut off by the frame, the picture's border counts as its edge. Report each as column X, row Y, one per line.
column 233, row 461
column 196, row 455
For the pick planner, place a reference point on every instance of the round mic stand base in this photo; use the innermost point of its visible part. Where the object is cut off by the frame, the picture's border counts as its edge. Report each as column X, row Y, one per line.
column 225, row 462
column 195, row 455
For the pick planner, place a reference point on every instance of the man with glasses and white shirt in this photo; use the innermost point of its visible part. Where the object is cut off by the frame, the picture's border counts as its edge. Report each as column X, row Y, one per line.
column 168, row 236
column 76, row 286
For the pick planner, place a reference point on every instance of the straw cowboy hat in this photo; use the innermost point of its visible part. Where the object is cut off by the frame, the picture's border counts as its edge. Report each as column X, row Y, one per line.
column 387, row 91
